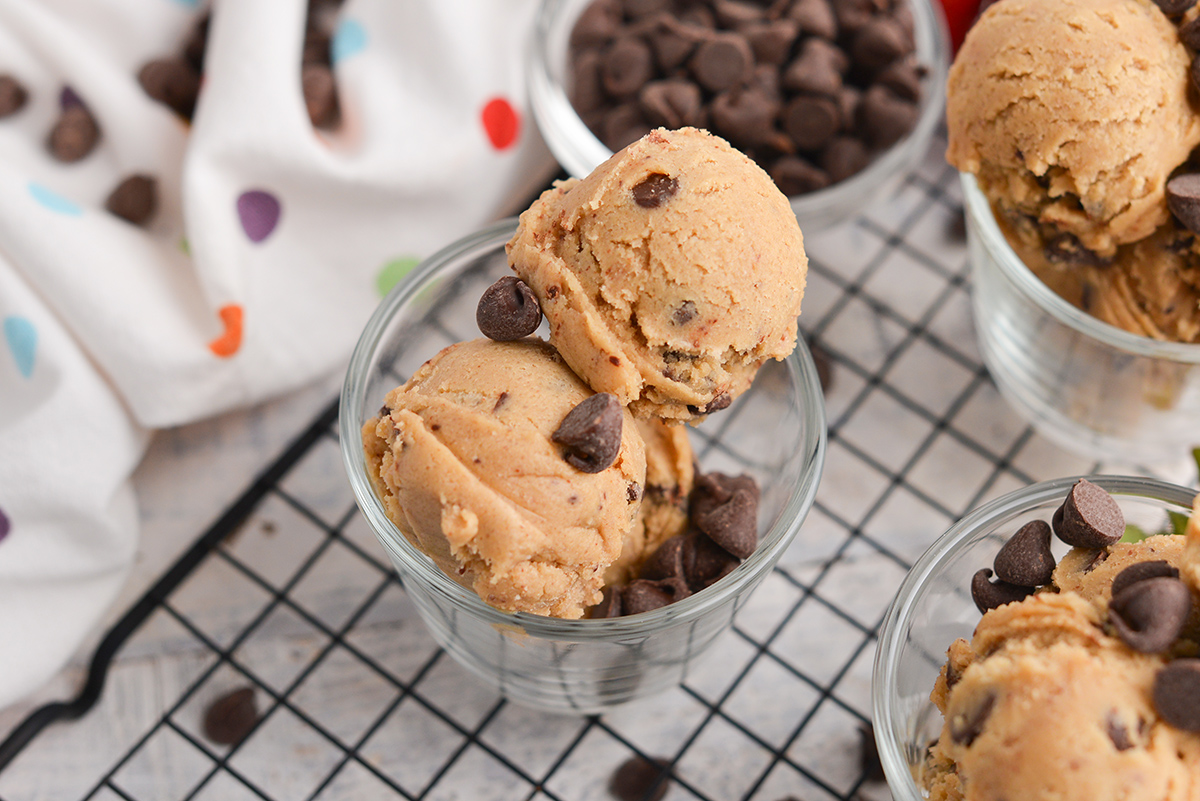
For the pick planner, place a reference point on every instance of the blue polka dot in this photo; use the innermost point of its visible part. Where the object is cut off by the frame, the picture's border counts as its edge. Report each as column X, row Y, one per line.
column 54, row 201
column 349, row 38
column 22, row 343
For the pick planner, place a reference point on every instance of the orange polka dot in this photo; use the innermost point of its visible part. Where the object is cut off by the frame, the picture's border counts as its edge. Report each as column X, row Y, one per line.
column 228, row 343
column 501, row 122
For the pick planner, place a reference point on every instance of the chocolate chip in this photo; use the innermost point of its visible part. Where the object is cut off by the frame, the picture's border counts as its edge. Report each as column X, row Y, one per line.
column 878, row 43
column 721, row 61
column 811, row 121
column 852, row 15
column 903, row 78
column 320, row 95
column 591, row 433
column 654, row 190
column 640, row 778
column 817, row 69
column 1183, row 198
column 672, row 103
column 135, row 199
column 623, row 125
column 230, row 717
column 843, row 157
column 705, row 562
column 745, row 116
column 1174, row 8
column 1189, row 34
column 1149, row 614
column 966, row 726
column 737, row 13
column 1065, row 248
column 501, row 400
column 797, row 176
column 1140, row 571
column 1089, row 517
column 772, row 41
column 644, row 595
column 628, row 64
column 666, row 561
column 719, row 402
column 74, row 135
column 172, row 82
column 1025, row 560
column 1177, row 693
column 684, row 313
column 816, row 17
column 868, row 754
column 885, row 117
column 633, row 492
column 732, row 524
column 12, row 95
column 598, row 23
column 1117, row 732
column 508, row 310
column 609, row 606
column 990, row 594
column 672, row 43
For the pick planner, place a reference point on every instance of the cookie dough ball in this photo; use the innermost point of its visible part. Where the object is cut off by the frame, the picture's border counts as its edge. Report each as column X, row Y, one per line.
column 463, row 460
column 1074, row 113
column 668, row 275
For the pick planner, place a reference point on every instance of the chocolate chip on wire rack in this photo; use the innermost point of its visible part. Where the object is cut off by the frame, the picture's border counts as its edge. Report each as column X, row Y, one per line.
column 1140, row 571
column 230, row 717
column 1089, row 517
column 990, row 594
column 1026, row 560
column 591, row 433
column 1177, row 693
column 508, row 310
column 1148, row 615
column 640, row 778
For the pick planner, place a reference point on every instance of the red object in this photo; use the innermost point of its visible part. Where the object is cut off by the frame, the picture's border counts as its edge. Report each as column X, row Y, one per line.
column 960, row 14
column 501, row 122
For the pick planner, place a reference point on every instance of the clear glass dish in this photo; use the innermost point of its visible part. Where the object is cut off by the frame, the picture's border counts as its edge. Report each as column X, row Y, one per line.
column 1089, row 386
column 579, row 151
column 933, row 607
column 775, row 432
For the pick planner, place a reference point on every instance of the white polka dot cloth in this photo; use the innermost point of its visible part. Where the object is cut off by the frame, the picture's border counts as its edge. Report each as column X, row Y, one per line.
column 271, row 241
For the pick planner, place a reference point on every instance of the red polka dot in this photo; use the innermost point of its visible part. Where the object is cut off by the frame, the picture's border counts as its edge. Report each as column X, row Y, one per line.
column 501, row 122
column 228, row 343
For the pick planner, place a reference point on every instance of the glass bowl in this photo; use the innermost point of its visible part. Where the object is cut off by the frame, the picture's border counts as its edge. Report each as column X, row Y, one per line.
column 1084, row 384
column 774, row 432
column 579, row 151
column 933, row 607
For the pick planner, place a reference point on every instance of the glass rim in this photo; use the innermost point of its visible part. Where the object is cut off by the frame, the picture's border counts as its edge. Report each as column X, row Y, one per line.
column 980, row 213
column 579, row 151
column 350, row 421
column 900, row 611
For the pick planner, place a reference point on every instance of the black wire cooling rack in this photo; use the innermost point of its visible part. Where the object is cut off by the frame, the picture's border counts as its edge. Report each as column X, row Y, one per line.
column 288, row 594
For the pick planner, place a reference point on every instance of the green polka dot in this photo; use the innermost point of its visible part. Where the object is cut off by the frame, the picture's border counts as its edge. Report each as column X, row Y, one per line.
column 184, row 247
column 393, row 271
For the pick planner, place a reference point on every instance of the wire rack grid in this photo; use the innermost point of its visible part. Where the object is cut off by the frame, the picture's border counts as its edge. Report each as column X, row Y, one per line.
column 289, row 594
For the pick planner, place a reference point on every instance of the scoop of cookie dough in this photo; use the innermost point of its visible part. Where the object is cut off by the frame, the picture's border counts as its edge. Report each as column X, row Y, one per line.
column 464, row 460
column 668, row 275
column 1073, row 113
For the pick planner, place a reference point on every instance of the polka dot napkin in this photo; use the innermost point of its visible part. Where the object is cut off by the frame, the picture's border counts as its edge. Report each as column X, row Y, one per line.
column 200, row 205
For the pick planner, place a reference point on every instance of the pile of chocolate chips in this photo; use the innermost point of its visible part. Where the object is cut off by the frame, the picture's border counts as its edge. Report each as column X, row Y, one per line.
column 722, row 531
column 1149, row 604
column 174, row 80
column 813, row 90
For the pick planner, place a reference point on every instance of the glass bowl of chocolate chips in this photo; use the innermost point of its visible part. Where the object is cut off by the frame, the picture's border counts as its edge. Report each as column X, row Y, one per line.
column 1103, row 566
column 835, row 99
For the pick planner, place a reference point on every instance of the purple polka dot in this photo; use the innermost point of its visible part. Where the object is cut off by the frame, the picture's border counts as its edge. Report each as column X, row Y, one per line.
column 259, row 212
column 68, row 97
column 5, row 526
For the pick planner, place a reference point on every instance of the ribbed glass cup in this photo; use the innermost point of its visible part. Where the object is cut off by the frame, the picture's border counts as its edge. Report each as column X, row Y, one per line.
column 579, row 151
column 774, row 432
column 933, row 607
column 1091, row 387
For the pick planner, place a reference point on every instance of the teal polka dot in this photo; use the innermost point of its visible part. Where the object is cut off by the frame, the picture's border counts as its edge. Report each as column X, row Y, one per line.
column 349, row 39
column 189, row 3
column 393, row 271
column 54, row 201
column 22, row 338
